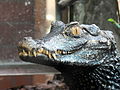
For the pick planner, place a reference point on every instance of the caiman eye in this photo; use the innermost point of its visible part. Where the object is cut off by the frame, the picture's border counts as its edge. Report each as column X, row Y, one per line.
column 73, row 31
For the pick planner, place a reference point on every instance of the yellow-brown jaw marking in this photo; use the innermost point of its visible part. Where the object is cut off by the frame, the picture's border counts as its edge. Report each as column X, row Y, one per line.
column 37, row 52
column 34, row 53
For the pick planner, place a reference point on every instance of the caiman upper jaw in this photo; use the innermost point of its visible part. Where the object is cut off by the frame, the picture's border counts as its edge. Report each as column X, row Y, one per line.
column 29, row 47
column 25, row 50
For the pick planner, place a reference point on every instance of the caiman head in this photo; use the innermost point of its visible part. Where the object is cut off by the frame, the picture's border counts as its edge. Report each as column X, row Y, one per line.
column 71, row 44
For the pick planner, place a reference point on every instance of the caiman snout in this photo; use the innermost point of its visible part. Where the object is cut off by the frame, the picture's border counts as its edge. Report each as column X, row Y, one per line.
column 28, row 47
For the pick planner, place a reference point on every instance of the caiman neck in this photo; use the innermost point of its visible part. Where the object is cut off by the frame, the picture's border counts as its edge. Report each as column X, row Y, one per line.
column 89, row 78
column 77, row 77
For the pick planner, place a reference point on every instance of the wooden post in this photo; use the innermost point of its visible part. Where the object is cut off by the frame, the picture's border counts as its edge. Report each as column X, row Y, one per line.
column 45, row 12
column 40, row 12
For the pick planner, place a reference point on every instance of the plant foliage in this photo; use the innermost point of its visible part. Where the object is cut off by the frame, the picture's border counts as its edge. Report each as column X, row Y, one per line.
column 114, row 22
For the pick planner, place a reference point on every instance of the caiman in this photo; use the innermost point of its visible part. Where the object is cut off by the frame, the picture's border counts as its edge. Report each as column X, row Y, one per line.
column 86, row 56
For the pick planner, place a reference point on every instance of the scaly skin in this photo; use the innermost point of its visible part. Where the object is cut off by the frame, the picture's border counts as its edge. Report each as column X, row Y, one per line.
column 85, row 55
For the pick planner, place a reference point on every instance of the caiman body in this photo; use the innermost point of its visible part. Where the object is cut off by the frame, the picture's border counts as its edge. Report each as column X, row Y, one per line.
column 85, row 55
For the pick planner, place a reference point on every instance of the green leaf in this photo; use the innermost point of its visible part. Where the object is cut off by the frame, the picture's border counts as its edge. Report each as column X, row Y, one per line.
column 118, row 25
column 112, row 20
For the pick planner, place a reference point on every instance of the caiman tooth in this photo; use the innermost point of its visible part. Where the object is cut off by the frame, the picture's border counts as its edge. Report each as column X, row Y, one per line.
column 46, row 52
column 29, row 53
column 24, row 53
column 40, row 50
column 34, row 53
column 50, row 55
column 54, row 56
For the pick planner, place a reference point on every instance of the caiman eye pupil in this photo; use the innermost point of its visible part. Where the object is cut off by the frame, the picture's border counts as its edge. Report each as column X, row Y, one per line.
column 75, row 30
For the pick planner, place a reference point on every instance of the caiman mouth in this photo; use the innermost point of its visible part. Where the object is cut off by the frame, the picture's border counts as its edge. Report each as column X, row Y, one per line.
column 93, row 51
column 25, row 51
